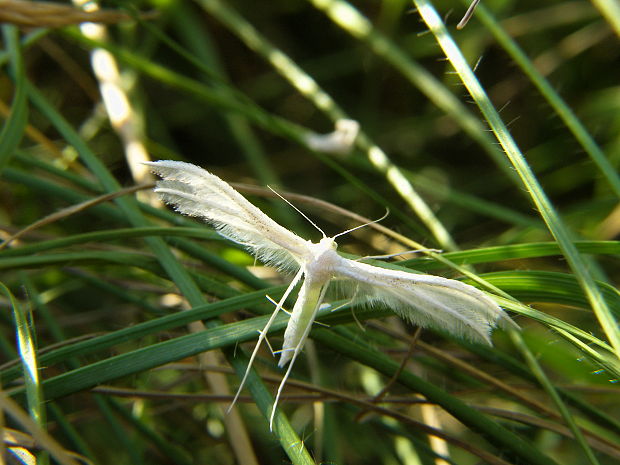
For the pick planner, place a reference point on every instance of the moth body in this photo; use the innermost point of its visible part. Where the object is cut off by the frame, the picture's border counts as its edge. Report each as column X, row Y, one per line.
column 318, row 266
column 322, row 260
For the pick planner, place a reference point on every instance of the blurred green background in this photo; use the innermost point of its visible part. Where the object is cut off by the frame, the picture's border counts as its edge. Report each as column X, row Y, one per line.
column 125, row 376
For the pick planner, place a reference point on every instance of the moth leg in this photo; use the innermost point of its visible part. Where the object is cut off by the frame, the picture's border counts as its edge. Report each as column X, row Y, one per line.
column 263, row 334
column 325, row 325
column 273, row 353
column 283, row 382
column 276, row 304
column 296, row 352
column 318, row 323
column 357, row 321
column 350, row 301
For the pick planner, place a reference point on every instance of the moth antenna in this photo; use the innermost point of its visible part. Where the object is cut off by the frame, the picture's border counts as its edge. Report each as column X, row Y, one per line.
column 263, row 335
column 299, row 211
column 387, row 212
column 468, row 14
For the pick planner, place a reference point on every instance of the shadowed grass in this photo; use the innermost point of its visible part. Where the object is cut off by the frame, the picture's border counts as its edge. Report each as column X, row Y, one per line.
column 110, row 288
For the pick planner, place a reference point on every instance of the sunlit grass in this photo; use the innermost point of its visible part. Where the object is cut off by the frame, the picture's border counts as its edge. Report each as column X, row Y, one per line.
column 491, row 143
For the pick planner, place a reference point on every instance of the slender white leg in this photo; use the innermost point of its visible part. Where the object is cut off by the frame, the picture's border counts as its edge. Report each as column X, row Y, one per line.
column 296, row 352
column 263, row 333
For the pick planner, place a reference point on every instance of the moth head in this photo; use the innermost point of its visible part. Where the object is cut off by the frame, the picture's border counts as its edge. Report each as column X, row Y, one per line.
column 328, row 243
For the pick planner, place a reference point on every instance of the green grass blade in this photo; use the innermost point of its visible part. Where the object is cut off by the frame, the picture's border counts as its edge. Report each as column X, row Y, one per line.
column 175, row 320
column 109, row 235
column 557, row 103
column 510, row 443
column 611, row 12
column 538, row 196
column 513, row 252
column 13, row 129
column 352, row 21
column 552, row 392
column 27, row 353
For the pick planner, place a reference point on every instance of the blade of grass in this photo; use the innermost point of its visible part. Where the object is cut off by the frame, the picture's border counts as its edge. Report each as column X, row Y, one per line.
column 98, row 237
column 109, row 235
column 557, row 103
column 550, row 286
column 513, row 252
column 511, row 444
column 539, row 198
column 13, row 129
column 611, row 12
column 167, row 322
column 528, row 179
column 27, row 353
column 353, row 22
column 155, row 355
column 542, row 378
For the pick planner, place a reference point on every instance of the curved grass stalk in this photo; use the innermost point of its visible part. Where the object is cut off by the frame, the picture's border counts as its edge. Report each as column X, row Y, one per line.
column 546, row 209
column 557, row 103
column 528, row 179
column 610, row 9
column 352, row 21
column 309, row 88
column 15, row 125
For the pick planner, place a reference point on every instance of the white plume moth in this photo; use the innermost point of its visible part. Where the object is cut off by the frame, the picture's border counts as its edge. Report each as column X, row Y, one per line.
column 424, row 300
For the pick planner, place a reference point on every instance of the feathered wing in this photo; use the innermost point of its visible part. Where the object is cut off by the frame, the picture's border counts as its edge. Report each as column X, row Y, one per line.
column 194, row 191
column 427, row 301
